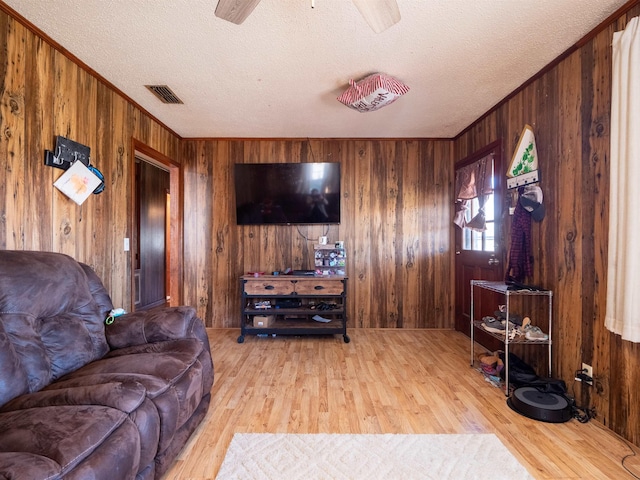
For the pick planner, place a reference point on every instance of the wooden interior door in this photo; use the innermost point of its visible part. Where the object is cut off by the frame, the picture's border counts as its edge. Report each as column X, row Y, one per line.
column 152, row 194
column 481, row 255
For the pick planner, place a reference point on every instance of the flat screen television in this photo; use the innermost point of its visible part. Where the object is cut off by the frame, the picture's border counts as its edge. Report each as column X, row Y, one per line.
column 287, row 193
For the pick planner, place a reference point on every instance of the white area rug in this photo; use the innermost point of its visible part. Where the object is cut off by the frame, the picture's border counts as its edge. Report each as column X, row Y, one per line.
column 371, row 456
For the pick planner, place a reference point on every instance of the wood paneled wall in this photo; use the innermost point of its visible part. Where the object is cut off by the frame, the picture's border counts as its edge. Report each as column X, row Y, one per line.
column 43, row 93
column 396, row 218
column 569, row 110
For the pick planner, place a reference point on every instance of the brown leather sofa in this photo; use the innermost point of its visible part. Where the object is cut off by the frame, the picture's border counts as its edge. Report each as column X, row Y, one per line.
column 83, row 400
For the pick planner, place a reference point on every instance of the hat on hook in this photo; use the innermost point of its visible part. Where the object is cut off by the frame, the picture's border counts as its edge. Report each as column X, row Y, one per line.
column 531, row 200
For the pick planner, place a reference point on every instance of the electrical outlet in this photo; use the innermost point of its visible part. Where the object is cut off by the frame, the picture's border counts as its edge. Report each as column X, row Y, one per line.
column 588, row 371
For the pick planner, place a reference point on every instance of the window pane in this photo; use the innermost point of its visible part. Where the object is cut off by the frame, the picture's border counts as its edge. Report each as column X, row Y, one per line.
column 476, row 241
column 489, row 238
column 473, row 211
column 488, row 208
column 480, row 241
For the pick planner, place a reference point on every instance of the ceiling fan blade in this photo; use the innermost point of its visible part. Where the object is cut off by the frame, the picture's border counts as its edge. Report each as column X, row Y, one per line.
column 379, row 14
column 235, row 11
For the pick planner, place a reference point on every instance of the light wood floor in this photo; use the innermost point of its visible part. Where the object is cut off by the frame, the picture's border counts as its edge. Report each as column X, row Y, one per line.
column 384, row 381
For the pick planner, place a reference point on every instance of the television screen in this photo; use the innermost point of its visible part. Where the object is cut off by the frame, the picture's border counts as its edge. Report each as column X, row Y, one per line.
column 287, row 193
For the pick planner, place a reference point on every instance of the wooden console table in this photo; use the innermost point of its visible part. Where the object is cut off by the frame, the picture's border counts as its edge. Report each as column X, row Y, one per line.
column 286, row 305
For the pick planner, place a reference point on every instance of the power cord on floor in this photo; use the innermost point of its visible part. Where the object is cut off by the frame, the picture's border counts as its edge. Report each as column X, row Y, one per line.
column 582, row 414
column 592, row 414
column 630, row 455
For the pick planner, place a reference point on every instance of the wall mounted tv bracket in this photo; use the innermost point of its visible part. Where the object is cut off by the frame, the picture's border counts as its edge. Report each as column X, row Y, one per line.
column 66, row 152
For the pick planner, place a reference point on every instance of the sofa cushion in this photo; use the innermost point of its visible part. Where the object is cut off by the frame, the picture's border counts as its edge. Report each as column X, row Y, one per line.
column 153, row 386
column 27, row 465
column 138, row 328
column 123, row 396
column 64, row 434
column 128, row 397
column 99, row 293
column 170, row 372
column 49, row 315
column 13, row 381
column 166, row 361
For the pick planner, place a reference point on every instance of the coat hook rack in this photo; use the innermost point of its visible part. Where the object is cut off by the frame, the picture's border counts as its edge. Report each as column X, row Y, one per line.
column 66, row 152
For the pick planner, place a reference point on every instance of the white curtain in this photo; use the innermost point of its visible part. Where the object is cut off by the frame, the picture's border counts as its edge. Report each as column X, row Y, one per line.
column 623, row 274
column 473, row 181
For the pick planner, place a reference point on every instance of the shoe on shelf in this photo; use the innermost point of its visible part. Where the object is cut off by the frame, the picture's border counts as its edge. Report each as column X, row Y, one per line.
column 490, row 324
column 518, row 331
column 535, row 333
column 513, row 317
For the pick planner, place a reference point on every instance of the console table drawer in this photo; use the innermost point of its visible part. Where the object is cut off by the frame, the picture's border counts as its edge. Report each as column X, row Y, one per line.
column 319, row 287
column 268, row 287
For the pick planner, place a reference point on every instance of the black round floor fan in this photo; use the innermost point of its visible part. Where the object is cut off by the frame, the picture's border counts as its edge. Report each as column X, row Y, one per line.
column 543, row 406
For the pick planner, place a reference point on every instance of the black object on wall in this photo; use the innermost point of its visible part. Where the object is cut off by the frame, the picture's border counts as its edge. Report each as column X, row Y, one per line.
column 66, row 152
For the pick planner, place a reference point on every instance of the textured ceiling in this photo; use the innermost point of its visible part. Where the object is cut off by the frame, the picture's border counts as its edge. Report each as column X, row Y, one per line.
column 279, row 73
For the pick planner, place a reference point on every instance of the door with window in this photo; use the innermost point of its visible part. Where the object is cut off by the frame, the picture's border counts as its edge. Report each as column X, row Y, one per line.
column 479, row 249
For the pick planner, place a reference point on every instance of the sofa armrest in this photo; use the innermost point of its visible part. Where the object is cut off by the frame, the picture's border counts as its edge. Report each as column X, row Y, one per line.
column 139, row 328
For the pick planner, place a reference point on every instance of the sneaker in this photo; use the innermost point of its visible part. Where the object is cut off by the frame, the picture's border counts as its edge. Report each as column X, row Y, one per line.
column 513, row 317
column 519, row 331
column 534, row 333
column 318, row 318
column 493, row 322
column 490, row 324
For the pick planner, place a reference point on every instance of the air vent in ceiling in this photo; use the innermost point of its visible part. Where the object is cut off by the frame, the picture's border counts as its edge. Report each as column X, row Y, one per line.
column 164, row 93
